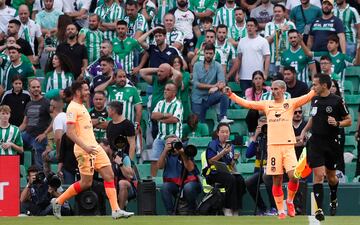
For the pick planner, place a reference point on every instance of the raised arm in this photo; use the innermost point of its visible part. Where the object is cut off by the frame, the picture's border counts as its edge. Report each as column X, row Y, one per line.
column 257, row 105
column 302, row 100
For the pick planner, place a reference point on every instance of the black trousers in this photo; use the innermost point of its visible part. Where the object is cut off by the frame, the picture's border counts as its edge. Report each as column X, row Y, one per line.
column 234, row 185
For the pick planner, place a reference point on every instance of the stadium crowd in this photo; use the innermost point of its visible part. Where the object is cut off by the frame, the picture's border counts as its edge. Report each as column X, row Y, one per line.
column 168, row 62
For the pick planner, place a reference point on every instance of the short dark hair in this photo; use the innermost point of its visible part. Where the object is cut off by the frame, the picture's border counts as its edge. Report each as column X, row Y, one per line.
column 13, row 48
column 77, row 86
column 222, row 125
column 208, row 19
column 325, row 57
column 210, row 31
column 107, row 59
column 293, row 31
column 117, row 106
column 209, row 47
column 324, row 79
column 281, row 6
column 252, row 19
column 121, row 22
column 32, row 169
column 131, row 2
column 57, row 99
column 67, row 92
column 222, row 26
column 239, row 8
column 15, row 21
column 334, row 38
column 16, row 77
column 160, row 31
column 291, row 68
column 100, row 93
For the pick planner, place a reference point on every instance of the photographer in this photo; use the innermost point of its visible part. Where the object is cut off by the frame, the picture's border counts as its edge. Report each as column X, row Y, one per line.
column 258, row 148
column 221, row 150
column 180, row 175
column 36, row 196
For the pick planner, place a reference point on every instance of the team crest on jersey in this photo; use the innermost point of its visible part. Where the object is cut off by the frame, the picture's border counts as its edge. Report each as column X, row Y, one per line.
column 273, row 169
column 286, row 105
column 329, row 109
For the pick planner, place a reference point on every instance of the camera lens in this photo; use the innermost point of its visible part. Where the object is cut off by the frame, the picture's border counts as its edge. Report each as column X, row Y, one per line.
column 177, row 145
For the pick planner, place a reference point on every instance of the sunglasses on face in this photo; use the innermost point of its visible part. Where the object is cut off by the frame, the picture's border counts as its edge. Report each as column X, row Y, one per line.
column 298, row 112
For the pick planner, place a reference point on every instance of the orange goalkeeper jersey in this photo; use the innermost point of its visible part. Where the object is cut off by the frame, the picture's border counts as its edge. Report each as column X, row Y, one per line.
column 279, row 116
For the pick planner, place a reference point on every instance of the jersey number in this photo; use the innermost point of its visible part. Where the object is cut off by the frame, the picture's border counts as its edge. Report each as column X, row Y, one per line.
column 273, row 161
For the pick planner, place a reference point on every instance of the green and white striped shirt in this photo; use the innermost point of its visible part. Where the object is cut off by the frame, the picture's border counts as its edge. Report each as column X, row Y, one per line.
column 228, row 51
column 236, row 32
column 176, row 109
column 350, row 17
column 281, row 42
column 164, row 7
column 226, row 16
column 139, row 24
column 110, row 15
column 93, row 40
column 124, row 52
column 128, row 95
column 54, row 80
column 10, row 134
column 268, row 96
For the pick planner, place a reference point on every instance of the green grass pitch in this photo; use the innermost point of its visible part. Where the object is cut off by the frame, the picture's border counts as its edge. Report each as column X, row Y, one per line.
column 175, row 220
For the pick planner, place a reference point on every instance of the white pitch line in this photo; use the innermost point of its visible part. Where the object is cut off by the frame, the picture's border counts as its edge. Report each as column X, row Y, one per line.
column 313, row 221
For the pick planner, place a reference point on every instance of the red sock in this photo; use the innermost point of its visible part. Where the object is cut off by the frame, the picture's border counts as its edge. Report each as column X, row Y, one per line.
column 73, row 190
column 278, row 197
column 292, row 189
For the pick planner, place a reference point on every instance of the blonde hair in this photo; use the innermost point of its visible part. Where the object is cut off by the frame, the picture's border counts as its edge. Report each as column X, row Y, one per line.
column 5, row 108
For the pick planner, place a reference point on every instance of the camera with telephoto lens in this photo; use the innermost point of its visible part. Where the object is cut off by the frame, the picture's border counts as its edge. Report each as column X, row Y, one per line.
column 190, row 150
column 52, row 179
column 120, row 143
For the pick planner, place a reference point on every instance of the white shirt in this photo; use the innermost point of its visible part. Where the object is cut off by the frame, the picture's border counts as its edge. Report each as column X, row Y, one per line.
column 253, row 51
column 60, row 122
column 69, row 6
column 184, row 22
column 34, row 29
column 58, row 5
column 6, row 15
column 290, row 4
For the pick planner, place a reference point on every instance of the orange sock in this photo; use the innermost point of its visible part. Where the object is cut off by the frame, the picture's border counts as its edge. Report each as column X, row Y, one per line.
column 111, row 194
column 278, row 197
column 292, row 189
column 73, row 190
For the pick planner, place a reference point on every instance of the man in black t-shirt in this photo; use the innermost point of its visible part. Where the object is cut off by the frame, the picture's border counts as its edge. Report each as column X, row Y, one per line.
column 328, row 113
column 119, row 126
column 298, row 124
column 295, row 87
column 99, row 115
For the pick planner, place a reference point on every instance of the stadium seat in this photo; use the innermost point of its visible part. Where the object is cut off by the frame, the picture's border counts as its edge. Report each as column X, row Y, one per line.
column 237, row 114
column 239, row 127
column 27, row 158
column 352, row 101
column 246, row 169
column 211, row 119
column 350, row 169
column 144, row 122
column 144, row 170
column 235, row 87
column 348, row 87
column 54, row 167
column 352, row 74
column 350, row 143
column 200, row 142
column 142, row 86
column 144, row 101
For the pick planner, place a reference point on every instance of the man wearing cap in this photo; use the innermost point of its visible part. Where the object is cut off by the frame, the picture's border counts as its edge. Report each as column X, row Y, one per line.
column 323, row 27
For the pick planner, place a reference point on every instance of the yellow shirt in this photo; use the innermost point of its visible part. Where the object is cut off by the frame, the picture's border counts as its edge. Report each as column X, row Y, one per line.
column 279, row 116
column 77, row 114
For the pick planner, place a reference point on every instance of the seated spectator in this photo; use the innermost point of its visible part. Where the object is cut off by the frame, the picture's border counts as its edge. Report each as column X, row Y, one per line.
column 220, row 150
column 16, row 99
column 294, row 87
column 11, row 141
column 180, row 174
column 184, row 91
column 208, row 81
column 35, row 197
column 58, row 74
column 258, row 148
column 194, row 129
column 254, row 94
column 168, row 113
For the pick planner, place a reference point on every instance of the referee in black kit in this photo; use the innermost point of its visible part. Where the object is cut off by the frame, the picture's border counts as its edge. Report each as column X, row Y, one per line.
column 328, row 113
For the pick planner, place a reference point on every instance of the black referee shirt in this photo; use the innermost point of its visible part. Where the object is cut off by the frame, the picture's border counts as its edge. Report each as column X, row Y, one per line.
column 321, row 109
column 17, row 104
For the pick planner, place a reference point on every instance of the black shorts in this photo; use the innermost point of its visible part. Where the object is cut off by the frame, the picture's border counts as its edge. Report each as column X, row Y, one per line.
column 323, row 151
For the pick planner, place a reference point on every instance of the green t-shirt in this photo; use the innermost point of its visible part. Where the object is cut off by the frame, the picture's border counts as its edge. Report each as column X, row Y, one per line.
column 55, row 80
column 184, row 95
column 10, row 134
column 102, row 116
column 158, row 91
column 203, row 5
column 200, row 131
column 200, row 41
column 124, row 52
column 25, row 70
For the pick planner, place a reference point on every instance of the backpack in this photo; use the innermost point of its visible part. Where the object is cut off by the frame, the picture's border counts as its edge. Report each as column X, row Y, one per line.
column 212, row 203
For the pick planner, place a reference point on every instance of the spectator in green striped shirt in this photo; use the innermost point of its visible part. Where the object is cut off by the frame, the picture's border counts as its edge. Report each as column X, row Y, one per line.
column 238, row 29
column 11, row 142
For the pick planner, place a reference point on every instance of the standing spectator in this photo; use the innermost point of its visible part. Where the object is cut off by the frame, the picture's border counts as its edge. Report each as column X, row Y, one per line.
column 109, row 12
column 125, row 49
column 180, row 174
column 276, row 33
column 117, row 89
column 291, row 4
column 174, row 37
column 220, row 151
column 92, row 37
column 323, row 27
column 40, row 5
column 78, row 11
column 15, row 66
column 136, row 22
column 107, row 72
column 168, row 113
column 303, row 16
column 207, row 24
column 161, row 52
column 147, row 9
column 7, row 13
column 295, row 87
column 208, row 82
column 263, row 14
column 58, row 74
column 226, row 14
column 74, row 51
column 298, row 124
column 37, row 122
column 238, row 29
column 29, row 30
column 16, row 99
column 325, row 149
column 163, row 7
column 186, row 22
column 254, row 54
column 11, row 141
column 351, row 21
column 99, row 116
column 296, row 57
column 204, row 8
